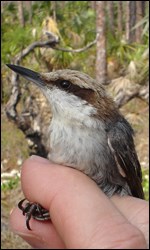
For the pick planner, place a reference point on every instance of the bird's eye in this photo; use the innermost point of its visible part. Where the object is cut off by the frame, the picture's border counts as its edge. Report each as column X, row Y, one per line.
column 65, row 84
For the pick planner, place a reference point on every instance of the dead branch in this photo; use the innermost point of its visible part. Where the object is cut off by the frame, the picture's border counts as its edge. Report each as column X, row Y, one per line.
column 46, row 44
column 123, row 97
column 49, row 44
column 77, row 50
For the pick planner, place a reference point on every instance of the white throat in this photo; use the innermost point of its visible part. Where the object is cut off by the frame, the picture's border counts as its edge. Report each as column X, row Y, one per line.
column 70, row 108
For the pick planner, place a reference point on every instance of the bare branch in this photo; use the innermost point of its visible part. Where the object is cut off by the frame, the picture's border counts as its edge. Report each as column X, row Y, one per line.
column 123, row 97
column 47, row 44
column 77, row 50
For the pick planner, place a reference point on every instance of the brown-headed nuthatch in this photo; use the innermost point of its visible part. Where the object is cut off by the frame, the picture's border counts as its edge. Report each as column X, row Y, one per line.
column 87, row 131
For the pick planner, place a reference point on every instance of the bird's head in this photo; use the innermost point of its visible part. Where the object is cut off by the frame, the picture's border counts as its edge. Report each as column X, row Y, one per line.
column 71, row 94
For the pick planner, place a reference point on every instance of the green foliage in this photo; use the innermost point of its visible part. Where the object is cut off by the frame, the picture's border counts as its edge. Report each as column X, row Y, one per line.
column 144, row 22
column 10, row 8
column 146, row 183
column 76, row 25
column 62, row 59
column 76, row 22
column 79, row 19
column 124, row 51
column 14, row 41
column 14, row 37
column 10, row 184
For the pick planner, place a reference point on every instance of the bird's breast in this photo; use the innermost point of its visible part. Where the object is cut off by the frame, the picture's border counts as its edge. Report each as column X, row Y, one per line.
column 80, row 147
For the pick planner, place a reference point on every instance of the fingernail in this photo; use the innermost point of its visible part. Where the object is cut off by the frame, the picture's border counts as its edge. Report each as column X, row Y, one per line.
column 39, row 159
column 34, row 240
column 11, row 211
column 27, row 235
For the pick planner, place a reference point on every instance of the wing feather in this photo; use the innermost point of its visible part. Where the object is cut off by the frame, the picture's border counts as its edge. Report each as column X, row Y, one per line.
column 120, row 141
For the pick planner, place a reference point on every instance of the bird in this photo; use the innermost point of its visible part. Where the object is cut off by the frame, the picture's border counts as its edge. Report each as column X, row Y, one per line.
column 88, row 132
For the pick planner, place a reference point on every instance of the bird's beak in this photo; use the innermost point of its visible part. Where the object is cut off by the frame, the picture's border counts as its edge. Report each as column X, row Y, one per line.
column 28, row 74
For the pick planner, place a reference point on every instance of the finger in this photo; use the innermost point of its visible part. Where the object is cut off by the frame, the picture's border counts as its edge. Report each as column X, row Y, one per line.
column 43, row 235
column 80, row 212
column 136, row 211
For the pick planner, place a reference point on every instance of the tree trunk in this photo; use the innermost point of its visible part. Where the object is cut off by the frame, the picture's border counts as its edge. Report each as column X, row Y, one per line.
column 53, row 7
column 127, row 18
column 145, row 4
column 21, row 14
column 93, row 5
column 110, row 8
column 138, row 19
column 120, row 18
column 132, row 21
column 101, row 69
column 28, row 5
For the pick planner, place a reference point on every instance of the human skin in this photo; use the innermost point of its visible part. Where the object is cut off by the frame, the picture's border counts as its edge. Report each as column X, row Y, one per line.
column 82, row 217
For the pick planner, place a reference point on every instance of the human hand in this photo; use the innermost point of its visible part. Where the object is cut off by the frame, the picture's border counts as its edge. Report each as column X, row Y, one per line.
column 82, row 217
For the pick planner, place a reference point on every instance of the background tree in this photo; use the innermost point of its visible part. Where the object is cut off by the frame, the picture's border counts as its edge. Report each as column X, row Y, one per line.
column 110, row 11
column 127, row 17
column 101, row 68
column 53, row 7
column 28, row 6
column 21, row 13
column 120, row 17
column 132, row 20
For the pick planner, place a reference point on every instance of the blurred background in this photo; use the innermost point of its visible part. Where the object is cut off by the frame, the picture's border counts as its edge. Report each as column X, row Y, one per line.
column 106, row 39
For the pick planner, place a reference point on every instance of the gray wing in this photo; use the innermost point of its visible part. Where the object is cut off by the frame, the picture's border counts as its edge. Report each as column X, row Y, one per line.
column 120, row 141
